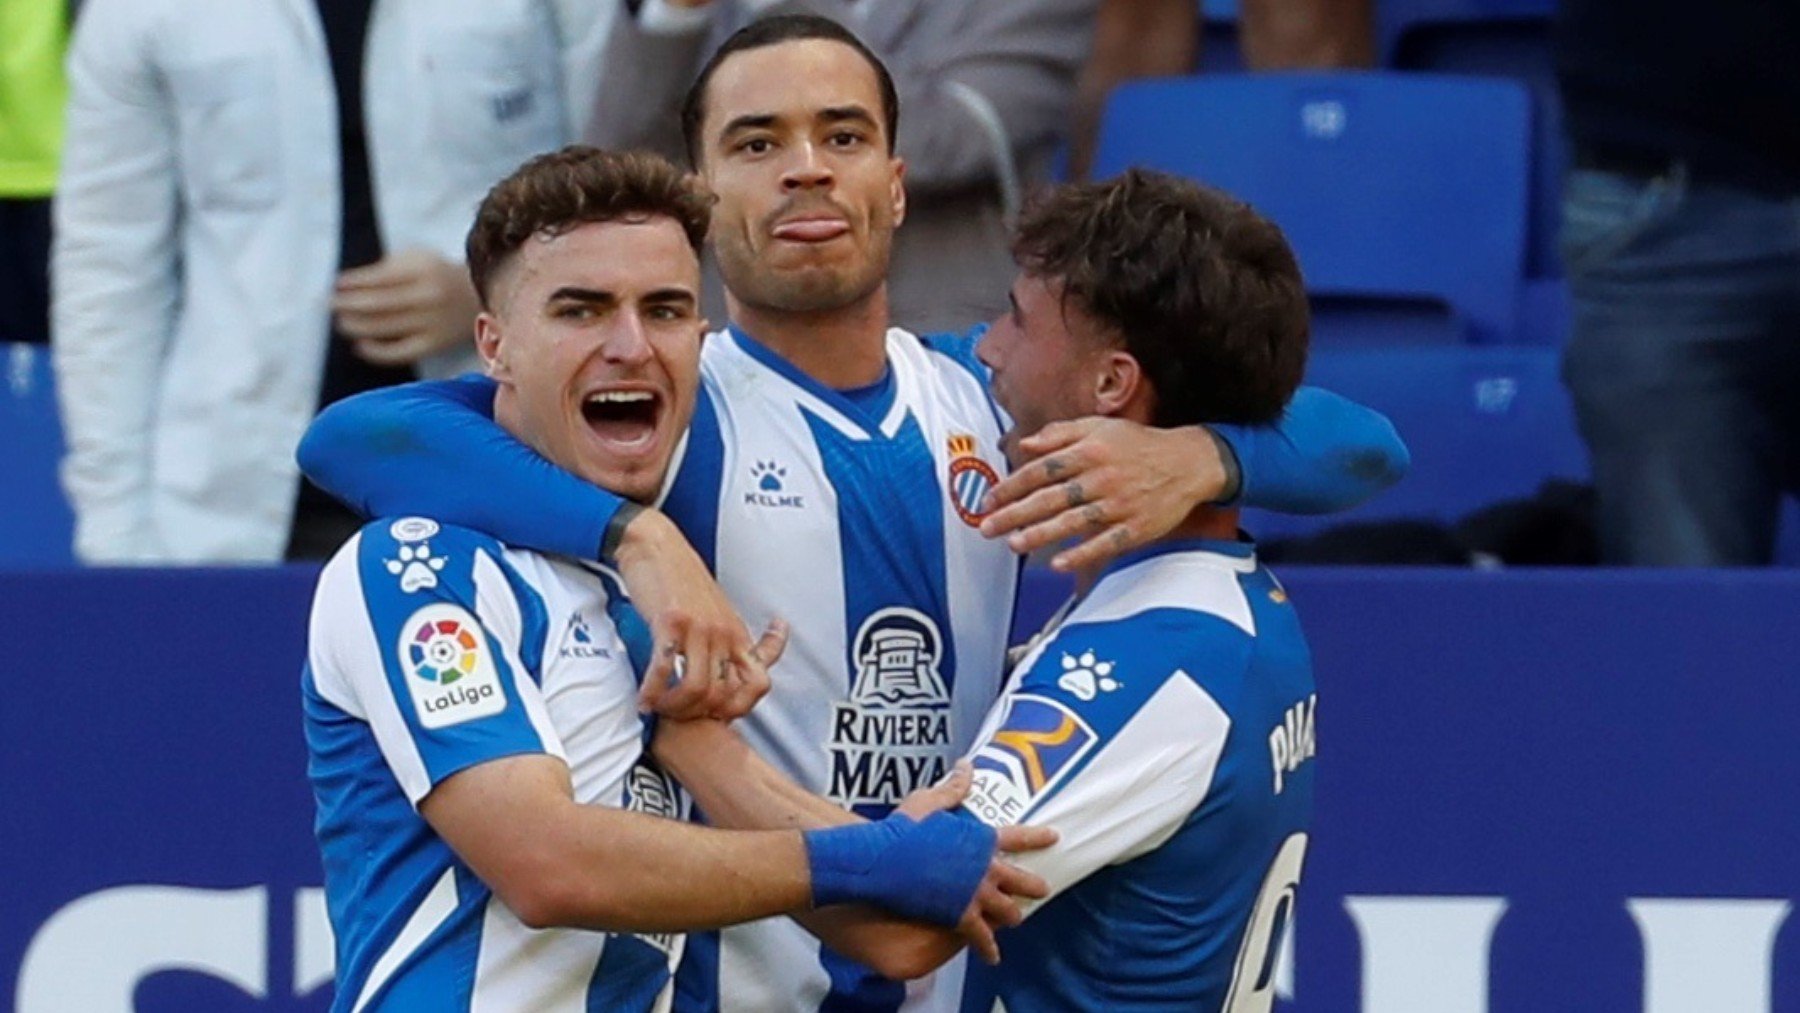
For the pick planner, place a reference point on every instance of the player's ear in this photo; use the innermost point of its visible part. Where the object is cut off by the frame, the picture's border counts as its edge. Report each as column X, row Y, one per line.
column 897, row 190
column 1118, row 383
column 490, row 345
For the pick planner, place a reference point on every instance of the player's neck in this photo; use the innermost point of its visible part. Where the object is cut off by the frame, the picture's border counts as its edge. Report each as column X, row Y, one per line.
column 841, row 348
column 1218, row 524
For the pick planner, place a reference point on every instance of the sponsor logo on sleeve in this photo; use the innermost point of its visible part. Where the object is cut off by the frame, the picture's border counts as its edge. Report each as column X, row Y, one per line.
column 449, row 667
column 414, row 562
column 1085, row 676
column 1039, row 741
column 893, row 734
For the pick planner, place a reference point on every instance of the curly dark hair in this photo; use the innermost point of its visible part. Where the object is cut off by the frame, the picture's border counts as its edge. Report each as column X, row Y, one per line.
column 555, row 192
column 1204, row 292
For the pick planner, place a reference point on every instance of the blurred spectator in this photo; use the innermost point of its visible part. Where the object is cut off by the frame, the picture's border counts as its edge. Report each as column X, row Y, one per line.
column 1307, row 34
column 1132, row 39
column 1681, row 235
column 1160, row 38
column 262, row 209
column 985, row 87
column 33, row 34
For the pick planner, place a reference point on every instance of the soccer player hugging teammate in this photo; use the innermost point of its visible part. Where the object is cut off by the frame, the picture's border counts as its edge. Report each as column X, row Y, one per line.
column 1162, row 722
column 835, row 474
column 492, row 829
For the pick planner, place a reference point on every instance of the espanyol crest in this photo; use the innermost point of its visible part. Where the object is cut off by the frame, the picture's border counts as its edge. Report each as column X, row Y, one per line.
column 970, row 479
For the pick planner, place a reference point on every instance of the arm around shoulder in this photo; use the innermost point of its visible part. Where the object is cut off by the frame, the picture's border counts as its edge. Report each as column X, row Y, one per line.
column 1325, row 454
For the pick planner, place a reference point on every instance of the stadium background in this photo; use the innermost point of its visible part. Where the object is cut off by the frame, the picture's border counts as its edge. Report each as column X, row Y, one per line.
column 1541, row 790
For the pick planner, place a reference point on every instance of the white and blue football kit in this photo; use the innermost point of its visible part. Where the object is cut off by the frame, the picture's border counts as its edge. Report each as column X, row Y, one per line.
column 433, row 649
column 853, row 516
column 1164, row 727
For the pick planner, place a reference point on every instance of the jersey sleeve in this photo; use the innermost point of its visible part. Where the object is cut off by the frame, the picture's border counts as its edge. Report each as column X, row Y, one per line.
column 1106, row 737
column 1326, row 453
column 434, row 447
column 425, row 633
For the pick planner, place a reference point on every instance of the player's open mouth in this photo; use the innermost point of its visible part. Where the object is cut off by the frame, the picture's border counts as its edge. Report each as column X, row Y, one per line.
column 625, row 419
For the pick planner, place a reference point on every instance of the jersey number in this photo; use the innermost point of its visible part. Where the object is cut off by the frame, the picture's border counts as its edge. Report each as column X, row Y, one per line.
column 1253, row 980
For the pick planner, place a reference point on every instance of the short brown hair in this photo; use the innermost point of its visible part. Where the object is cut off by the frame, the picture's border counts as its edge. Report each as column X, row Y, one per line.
column 1199, row 288
column 555, row 192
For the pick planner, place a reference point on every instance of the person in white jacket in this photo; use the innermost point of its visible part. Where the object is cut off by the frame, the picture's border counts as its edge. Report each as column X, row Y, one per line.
column 261, row 209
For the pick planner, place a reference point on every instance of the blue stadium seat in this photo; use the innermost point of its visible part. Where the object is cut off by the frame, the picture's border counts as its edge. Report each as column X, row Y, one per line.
column 1220, row 49
column 1494, row 38
column 1484, row 424
column 1400, row 188
column 35, row 524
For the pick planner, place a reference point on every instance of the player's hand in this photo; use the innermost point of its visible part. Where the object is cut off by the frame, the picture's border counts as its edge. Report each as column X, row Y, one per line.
column 1110, row 484
column 750, row 676
column 404, row 307
column 995, row 905
column 702, row 665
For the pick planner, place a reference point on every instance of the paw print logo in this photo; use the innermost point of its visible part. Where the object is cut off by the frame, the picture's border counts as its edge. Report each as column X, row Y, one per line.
column 417, row 568
column 768, row 476
column 1085, row 676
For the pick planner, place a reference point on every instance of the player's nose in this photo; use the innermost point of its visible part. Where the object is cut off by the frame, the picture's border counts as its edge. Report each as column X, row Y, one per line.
column 808, row 169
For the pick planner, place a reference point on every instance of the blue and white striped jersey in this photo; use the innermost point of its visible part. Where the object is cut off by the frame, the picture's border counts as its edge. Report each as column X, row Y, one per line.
column 859, row 528
column 856, row 525
column 434, row 649
column 1163, row 726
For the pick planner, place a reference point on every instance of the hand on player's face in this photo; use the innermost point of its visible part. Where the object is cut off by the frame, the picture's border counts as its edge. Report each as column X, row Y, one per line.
column 1109, row 484
column 996, row 902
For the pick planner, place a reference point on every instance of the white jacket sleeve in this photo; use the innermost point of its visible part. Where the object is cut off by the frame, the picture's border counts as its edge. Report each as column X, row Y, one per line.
column 115, row 277
column 581, row 27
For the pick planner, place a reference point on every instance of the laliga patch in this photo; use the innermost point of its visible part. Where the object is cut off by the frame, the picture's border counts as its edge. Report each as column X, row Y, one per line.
column 970, row 479
column 1039, row 741
column 449, row 668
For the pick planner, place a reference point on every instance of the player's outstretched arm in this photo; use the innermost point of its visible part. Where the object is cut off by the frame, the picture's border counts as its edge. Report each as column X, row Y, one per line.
column 555, row 862
column 433, row 448
column 1114, row 485
column 737, row 788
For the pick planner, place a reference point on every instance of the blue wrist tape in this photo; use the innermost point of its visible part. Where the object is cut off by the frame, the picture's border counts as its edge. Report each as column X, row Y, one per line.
column 926, row 870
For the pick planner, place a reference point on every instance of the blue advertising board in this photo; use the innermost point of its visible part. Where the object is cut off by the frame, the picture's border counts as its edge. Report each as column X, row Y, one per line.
column 1537, row 792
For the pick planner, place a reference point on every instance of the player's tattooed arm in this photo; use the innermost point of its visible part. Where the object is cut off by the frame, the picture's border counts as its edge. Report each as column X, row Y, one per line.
column 736, row 788
column 1110, row 486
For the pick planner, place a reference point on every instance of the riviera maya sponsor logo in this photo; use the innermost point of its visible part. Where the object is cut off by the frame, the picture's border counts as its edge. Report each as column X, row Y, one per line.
column 449, row 670
column 893, row 734
column 1038, row 742
column 970, row 479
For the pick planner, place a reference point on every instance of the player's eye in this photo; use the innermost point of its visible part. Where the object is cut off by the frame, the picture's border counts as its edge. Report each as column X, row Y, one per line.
column 756, row 146
column 846, row 139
